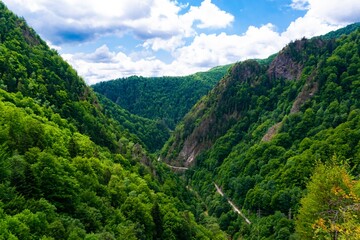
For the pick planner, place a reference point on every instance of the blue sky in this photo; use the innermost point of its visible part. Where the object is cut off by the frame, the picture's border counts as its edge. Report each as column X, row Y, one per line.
column 108, row 39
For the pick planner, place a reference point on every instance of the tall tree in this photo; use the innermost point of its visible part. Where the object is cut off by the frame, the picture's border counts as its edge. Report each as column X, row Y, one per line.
column 331, row 207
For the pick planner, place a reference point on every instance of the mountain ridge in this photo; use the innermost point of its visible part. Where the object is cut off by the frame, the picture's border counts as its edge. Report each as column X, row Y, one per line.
column 266, row 130
column 286, row 65
column 164, row 99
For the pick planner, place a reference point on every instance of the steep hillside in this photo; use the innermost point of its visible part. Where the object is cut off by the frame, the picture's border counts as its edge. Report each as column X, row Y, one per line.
column 67, row 170
column 152, row 133
column 266, row 129
column 27, row 65
column 165, row 99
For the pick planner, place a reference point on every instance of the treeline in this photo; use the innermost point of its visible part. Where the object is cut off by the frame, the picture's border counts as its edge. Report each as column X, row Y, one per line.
column 164, row 99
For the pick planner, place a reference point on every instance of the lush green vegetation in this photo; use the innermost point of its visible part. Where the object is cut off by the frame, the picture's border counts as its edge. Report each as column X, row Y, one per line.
column 153, row 133
column 57, row 184
column 282, row 140
column 343, row 31
column 165, row 99
column 280, row 136
column 330, row 209
column 68, row 170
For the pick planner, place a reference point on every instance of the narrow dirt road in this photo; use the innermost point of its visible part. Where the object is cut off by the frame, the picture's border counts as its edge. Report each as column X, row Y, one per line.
column 236, row 209
column 179, row 168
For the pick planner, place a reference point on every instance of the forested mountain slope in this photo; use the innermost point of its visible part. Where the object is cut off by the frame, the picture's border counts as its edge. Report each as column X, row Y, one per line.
column 282, row 141
column 166, row 99
column 28, row 66
column 67, row 170
column 152, row 133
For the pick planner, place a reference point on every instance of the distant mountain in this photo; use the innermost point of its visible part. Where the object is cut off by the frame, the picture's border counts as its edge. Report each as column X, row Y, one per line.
column 342, row 31
column 281, row 137
column 70, row 171
column 165, row 99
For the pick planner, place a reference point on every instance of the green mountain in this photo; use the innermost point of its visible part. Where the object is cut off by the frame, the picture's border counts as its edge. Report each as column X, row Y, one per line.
column 165, row 99
column 68, row 170
column 343, row 31
column 280, row 137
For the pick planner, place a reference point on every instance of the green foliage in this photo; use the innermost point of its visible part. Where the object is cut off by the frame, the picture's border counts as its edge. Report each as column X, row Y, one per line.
column 330, row 209
column 57, row 183
column 30, row 68
column 342, row 31
column 75, row 166
column 261, row 132
column 164, row 99
column 67, row 169
column 152, row 133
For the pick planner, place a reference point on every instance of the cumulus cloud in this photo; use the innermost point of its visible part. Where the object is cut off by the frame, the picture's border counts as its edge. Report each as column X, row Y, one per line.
column 169, row 26
column 209, row 16
column 330, row 11
column 205, row 51
column 321, row 17
column 170, row 45
column 217, row 49
column 104, row 64
column 308, row 26
column 335, row 11
column 77, row 20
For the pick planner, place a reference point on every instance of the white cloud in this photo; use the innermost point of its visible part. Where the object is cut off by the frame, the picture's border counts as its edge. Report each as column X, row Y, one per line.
column 55, row 47
column 208, row 50
column 104, row 64
column 157, row 22
column 322, row 16
column 169, row 45
column 77, row 20
column 203, row 53
column 209, row 16
column 80, row 20
column 168, row 25
column 308, row 26
column 211, row 50
column 335, row 11
column 163, row 22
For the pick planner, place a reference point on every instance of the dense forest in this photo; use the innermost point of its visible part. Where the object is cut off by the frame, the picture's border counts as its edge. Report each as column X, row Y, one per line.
column 265, row 149
column 153, row 133
column 280, row 137
column 70, row 171
column 164, row 99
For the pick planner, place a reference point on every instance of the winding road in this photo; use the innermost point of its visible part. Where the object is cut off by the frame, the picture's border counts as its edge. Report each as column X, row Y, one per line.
column 179, row 168
column 236, row 209
column 218, row 189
